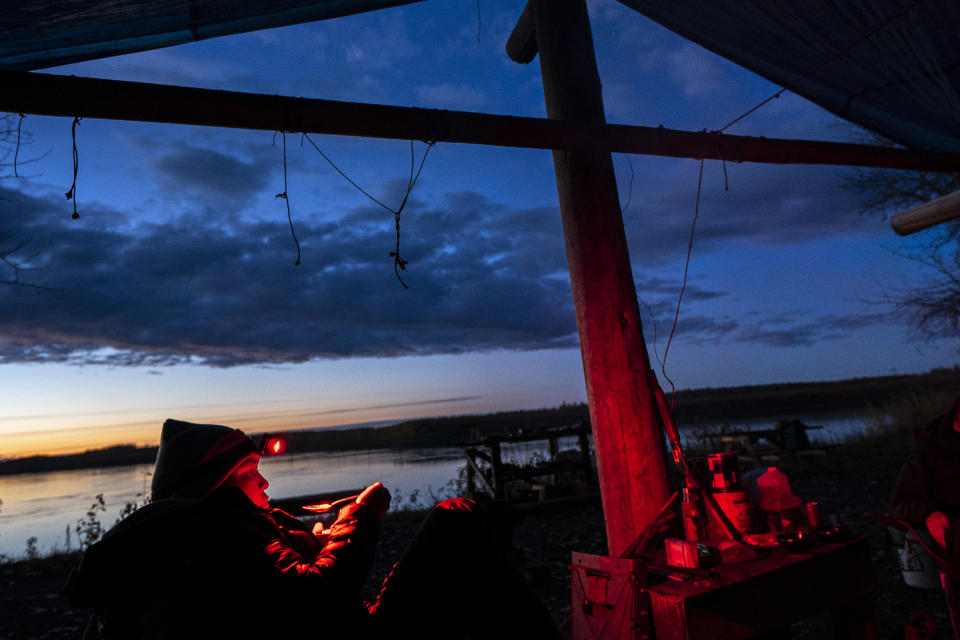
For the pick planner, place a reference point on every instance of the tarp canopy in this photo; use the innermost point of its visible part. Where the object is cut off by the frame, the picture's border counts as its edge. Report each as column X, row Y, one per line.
column 48, row 33
column 892, row 66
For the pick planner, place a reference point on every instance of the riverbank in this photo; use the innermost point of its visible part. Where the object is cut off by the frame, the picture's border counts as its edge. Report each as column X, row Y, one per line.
column 850, row 481
column 695, row 408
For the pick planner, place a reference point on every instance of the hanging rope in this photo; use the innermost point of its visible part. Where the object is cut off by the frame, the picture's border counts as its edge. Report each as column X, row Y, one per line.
column 479, row 22
column 286, row 200
column 399, row 264
column 683, row 287
column 653, row 321
column 16, row 151
column 623, row 210
column 626, row 206
column 72, row 193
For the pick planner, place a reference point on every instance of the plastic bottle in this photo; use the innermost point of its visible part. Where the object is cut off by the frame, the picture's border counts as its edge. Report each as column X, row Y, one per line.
column 782, row 508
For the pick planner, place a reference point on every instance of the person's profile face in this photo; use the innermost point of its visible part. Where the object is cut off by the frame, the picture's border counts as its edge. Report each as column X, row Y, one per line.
column 247, row 478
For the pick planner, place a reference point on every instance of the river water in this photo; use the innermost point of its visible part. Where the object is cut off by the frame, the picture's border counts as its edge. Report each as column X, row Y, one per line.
column 47, row 505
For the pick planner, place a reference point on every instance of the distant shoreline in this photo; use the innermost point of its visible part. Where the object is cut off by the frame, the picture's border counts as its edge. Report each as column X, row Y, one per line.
column 693, row 407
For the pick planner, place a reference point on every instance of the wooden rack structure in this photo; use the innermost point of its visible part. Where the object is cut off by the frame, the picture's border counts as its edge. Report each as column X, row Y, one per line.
column 493, row 482
column 787, row 439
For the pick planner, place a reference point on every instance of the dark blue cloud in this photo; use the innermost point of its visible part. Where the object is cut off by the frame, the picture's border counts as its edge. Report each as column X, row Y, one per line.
column 225, row 292
column 214, row 176
column 221, row 290
column 765, row 205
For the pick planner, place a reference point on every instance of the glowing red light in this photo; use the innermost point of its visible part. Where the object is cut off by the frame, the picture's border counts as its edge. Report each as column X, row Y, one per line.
column 275, row 446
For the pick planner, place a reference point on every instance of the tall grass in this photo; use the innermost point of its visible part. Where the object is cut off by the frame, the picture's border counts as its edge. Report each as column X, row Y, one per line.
column 900, row 418
column 890, row 431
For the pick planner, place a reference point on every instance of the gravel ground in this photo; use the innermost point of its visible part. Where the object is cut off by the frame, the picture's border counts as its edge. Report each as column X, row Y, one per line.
column 846, row 483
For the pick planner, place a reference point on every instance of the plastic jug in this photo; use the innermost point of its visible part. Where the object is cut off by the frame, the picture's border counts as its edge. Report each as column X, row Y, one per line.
column 782, row 508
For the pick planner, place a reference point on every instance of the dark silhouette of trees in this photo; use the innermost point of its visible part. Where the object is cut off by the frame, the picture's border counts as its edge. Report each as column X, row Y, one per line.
column 933, row 307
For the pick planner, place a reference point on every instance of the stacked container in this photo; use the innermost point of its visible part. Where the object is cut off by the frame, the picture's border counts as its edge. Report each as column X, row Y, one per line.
column 782, row 509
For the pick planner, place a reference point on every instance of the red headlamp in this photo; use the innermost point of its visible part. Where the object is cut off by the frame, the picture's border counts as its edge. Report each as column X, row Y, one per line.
column 271, row 445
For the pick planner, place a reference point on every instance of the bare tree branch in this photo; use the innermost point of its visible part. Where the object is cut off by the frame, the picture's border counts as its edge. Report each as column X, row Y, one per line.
column 14, row 267
column 12, row 136
column 933, row 308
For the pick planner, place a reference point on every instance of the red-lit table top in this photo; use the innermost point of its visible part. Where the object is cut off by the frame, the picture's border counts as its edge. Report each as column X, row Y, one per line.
column 767, row 593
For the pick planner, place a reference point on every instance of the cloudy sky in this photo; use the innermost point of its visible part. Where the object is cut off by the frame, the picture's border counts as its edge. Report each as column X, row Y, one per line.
column 175, row 294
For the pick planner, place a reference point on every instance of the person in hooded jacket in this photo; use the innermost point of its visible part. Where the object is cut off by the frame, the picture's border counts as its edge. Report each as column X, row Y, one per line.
column 927, row 493
column 209, row 558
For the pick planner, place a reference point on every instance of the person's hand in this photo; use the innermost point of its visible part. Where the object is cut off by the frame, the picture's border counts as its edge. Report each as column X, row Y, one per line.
column 937, row 524
column 321, row 532
column 377, row 497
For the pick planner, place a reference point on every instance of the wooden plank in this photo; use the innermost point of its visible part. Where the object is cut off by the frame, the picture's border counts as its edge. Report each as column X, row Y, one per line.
column 548, row 469
column 70, row 96
column 626, row 430
column 477, row 453
column 478, row 473
column 529, row 435
column 522, row 43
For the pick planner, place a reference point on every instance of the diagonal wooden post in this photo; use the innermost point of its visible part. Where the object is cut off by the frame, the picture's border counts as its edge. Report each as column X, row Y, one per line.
column 627, row 436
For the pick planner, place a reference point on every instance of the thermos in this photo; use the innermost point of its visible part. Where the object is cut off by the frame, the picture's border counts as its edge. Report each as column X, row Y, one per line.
column 694, row 518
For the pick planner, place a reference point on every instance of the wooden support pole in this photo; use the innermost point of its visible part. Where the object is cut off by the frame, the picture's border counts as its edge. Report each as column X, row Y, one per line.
column 69, row 96
column 496, row 471
column 475, row 472
column 587, row 464
column 928, row 214
column 627, row 436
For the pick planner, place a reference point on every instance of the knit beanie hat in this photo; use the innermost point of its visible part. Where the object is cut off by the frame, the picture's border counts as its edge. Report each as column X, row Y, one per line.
column 194, row 459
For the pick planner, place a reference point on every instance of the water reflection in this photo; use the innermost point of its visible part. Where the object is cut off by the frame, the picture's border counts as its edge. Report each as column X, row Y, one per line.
column 46, row 504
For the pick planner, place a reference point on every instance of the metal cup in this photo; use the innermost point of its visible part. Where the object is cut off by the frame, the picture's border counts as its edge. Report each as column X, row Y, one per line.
column 812, row 515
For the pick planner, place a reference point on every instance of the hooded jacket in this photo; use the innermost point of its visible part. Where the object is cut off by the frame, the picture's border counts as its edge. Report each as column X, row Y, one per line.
column 930, row 477
column 214, row 565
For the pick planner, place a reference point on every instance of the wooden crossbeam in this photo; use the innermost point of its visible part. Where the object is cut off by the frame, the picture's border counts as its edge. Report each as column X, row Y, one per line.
column 70, row 96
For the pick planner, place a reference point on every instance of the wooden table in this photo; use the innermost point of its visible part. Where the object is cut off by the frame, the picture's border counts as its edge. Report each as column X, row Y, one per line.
column 768, row 593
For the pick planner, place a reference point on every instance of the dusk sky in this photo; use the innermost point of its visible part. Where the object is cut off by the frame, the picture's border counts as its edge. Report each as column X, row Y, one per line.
column 175, row 293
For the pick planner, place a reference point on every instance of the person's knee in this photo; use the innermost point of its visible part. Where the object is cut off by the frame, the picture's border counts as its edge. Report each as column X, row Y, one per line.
column 456, row 504
column 453, row 514
column 453, row 519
